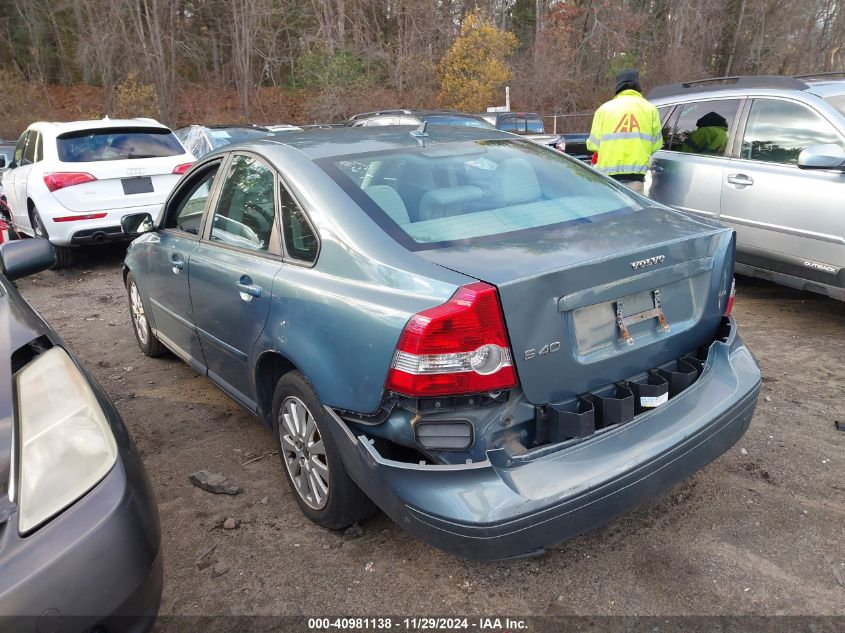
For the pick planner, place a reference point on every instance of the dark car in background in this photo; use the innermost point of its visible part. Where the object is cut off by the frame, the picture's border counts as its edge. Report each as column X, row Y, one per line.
column 199, row 140
column 416, row 117
column 79, row 528
column 497, row 345
column 527, row 124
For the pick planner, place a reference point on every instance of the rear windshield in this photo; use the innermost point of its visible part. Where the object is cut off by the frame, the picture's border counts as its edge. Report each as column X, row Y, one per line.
column 446, row 119
column 448, row 194
column 220, row 137
column 117, row 144
column 838, row 102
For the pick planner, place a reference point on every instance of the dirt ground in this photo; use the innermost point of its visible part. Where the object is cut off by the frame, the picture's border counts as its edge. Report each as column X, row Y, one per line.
column 753, row 533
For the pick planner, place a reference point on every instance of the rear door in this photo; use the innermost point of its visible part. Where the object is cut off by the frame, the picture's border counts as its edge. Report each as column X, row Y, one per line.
column 685, row 175
column 787, row 220
column 232, row 273
column 22, row 171
column 10, row 178
column 168, row 264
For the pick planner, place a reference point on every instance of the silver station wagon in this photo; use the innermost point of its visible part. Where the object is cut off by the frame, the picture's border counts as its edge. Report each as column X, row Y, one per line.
column 488, row 340
column 765, row 155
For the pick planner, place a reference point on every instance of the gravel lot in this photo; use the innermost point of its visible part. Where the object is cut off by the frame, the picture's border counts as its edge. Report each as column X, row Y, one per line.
column 760, row 531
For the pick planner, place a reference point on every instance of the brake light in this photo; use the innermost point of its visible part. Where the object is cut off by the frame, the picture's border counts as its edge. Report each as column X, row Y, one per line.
column 456, row 348
column 730, row 304
column 181, row 169
column 61, row 179
column 84, row 216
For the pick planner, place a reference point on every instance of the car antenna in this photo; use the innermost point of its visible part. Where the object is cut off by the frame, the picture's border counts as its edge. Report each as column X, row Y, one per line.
column 420, row 132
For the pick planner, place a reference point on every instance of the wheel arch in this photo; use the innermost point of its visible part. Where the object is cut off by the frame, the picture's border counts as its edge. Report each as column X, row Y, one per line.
column 269, row 369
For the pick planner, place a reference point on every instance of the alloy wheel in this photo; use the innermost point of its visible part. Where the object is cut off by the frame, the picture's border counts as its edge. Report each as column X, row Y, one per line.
column 303, row 453
column 139, row 318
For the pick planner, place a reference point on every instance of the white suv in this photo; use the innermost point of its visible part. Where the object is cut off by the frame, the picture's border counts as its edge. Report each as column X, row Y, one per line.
column 73, row 182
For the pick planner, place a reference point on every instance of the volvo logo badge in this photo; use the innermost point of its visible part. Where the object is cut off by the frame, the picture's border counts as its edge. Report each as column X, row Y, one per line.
column 650, row 261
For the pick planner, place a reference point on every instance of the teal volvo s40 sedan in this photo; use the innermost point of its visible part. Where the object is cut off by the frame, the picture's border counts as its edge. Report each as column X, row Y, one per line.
column 493, row 343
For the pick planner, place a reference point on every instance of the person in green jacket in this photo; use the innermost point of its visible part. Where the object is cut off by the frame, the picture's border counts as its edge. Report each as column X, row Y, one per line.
column 626, row 131
column 709, row 137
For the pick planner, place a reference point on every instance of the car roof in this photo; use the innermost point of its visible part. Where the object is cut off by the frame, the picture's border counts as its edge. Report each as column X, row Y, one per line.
column 241, row 126
column 324, row 142
column 820, row 84
column 60, row 127
column 412, row 112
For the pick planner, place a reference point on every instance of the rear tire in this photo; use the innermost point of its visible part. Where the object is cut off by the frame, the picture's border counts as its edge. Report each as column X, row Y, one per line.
column 311, row 460
column 64, row 254
column 147, row 341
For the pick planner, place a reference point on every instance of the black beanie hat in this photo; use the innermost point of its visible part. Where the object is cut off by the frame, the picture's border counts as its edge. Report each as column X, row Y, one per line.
column 628, row 80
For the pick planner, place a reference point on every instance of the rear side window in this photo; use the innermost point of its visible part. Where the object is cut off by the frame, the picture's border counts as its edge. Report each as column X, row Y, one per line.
column 451, row 193
column 29, row 152
column 461, row 121
column 300, row 240
column 703, row 127
column 246, row 209
column 777, row 131
column 117, row 144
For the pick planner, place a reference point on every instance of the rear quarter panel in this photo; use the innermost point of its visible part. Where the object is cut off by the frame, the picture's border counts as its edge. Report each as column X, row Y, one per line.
column 339, row 321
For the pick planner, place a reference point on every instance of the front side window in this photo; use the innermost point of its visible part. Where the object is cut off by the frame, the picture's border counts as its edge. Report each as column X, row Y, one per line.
column 186, row 215
column 246, row 208
column 777, row 131
column 451, row 193
column 703, row 127
column 116, row 143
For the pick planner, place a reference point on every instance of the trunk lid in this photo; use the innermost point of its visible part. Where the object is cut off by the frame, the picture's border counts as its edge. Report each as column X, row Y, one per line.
column 121, row 183
column 561, row 287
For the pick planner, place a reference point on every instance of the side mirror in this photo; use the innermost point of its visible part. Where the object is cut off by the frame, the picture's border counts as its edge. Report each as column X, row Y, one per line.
column 20, row 258
column 828, row 156
column 137, row 224
column 12, row 165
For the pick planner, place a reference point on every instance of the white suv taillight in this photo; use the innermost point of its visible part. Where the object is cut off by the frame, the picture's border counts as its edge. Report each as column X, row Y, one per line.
column 61, row 179
column 456, row 348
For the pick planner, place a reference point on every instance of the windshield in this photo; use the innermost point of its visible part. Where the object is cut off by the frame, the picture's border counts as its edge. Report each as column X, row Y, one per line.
column 223, row 136
column 117, row 144
column 446, row 119
column 451, row 193
column 837, row 101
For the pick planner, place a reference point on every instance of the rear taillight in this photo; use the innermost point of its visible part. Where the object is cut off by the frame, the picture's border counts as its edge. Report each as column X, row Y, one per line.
column 61, row 179
column 730, row 304
column 456, row 348
column 181, row 169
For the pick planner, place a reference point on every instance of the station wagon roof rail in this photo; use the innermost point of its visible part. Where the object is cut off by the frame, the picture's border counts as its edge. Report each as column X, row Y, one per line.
column 727, row 83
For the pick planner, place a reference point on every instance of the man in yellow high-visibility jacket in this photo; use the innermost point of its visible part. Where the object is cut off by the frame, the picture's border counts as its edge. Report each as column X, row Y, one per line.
column 626, row 132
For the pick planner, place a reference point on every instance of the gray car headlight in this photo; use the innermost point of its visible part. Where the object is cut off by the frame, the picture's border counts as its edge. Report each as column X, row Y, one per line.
column 66, row 443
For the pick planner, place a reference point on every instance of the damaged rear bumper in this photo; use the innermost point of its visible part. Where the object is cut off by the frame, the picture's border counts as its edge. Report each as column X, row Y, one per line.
column 507, row 506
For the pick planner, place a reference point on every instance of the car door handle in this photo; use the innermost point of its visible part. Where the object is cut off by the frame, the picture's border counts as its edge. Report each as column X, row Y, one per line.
column 740, row 179
column 177, row 263
column 656, row 169
column 247, row 289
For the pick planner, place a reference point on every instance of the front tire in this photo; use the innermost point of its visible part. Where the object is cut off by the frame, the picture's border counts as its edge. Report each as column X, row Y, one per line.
column 147, row 341
column 310, row 459
column 64, row 254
